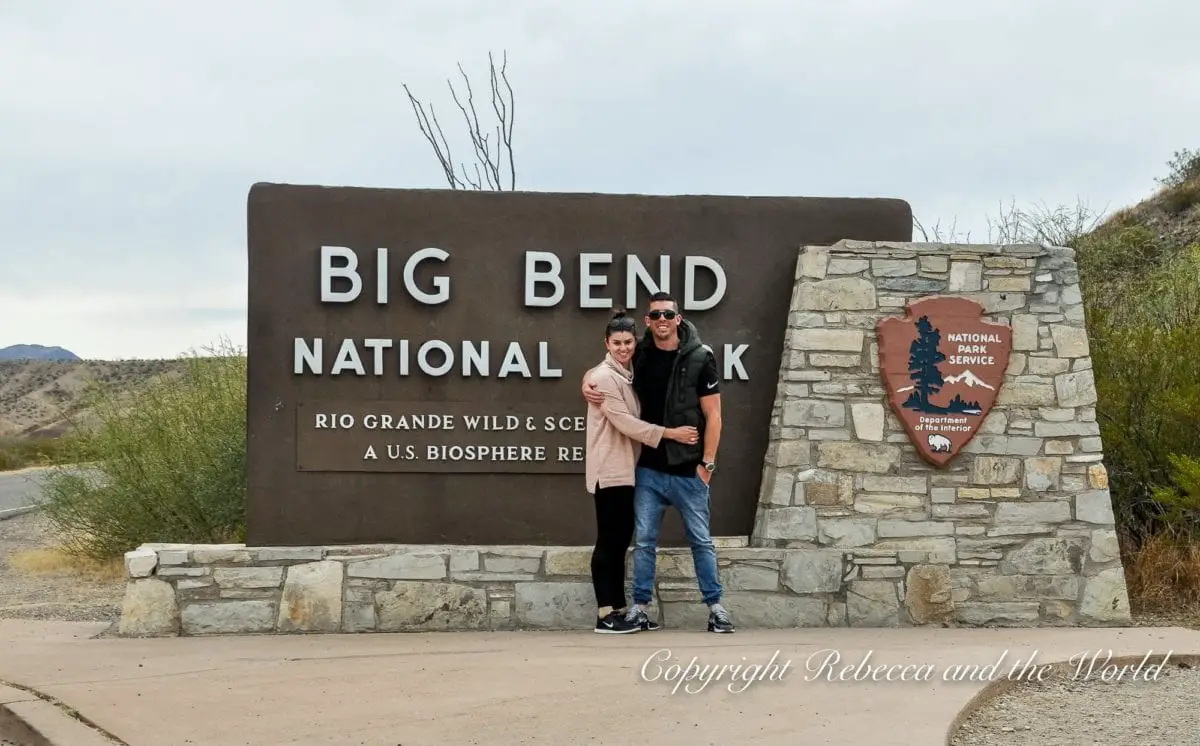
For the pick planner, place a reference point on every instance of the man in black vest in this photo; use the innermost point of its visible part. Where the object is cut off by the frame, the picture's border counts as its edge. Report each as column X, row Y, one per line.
column 677, row 383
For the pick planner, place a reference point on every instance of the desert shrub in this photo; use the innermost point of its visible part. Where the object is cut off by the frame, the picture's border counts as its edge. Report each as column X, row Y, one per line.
column 1183, row 166
column 167, row 462
column 1182, row 197
column 20, row 453
column 1146, row 354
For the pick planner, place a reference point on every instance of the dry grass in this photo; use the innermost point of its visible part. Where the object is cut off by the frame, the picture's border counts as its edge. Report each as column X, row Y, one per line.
column 56, row 561
column 1163, row 577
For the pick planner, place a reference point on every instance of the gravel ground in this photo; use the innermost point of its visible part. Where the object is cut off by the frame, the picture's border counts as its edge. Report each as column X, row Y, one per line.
column 1066, row 712
column 60, row 596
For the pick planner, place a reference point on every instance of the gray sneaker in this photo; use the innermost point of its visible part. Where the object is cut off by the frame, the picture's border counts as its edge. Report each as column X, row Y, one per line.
column 719, row 621
column 638, row 616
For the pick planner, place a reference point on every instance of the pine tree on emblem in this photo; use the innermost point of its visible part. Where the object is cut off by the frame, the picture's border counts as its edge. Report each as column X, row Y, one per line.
column 923, row 359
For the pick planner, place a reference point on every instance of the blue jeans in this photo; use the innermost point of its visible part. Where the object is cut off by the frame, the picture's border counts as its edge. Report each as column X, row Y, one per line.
column 653, row 492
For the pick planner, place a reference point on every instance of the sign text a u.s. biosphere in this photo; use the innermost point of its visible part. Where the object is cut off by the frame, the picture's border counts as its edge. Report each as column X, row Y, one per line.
column 415, row 356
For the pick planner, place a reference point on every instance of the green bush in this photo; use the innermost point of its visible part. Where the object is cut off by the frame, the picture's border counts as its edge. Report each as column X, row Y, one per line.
column 1146, row 354
column 19, row 453
column 1180, row 501
column 167, row 463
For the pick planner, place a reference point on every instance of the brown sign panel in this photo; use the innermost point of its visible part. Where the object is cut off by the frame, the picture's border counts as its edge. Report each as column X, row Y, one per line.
column 943, row 367
column 366, row 302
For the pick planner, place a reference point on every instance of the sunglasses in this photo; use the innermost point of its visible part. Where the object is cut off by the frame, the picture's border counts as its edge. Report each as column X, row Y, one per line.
column 656, row 315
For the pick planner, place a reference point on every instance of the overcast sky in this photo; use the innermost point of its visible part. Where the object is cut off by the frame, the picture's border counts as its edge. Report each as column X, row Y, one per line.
column 131, row 131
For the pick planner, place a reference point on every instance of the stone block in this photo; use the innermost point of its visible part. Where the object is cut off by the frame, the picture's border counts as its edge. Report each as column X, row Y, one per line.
column 837, row 294
column 814, row 413
column 779, row 484
column 174, row 557
column 1105, row 598
column 814, row 262
column 140, row 563
column 229, row 617
column 1012, row 613
column 1097, row 477
column 846, row 532
column 892, row 529
column 795, row 523
column 832, row 360
column 414, row 606
column 312, row 598
column 1105, row 546
column 1018, row 394
column 965, row 277
column 928, row 594
column 1045, row 556
column 893, row 267
column 1026, row 513
column 824, row 488
column 400, row 566
column 813, row 571
column 248, row 577
column 1043, row 474
column 848, row 266
column 919, row 485
column 935, row 263
column 1075, row 389
column 995, row 470
column 464, row 560
column 555, row 605
column 868, row 420
column 873, row 603
column 288, row 554
column 508, row 564
column 828, row 340
column 1094, row 506
column 148, row 609
column 852, row 456
column 746, row 577
column 1025, row 331
column 1009, row 284
column 1070, row 341
column 883, row 503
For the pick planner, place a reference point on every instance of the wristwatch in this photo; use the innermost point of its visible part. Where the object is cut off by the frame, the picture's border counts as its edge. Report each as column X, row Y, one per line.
column 709, row 466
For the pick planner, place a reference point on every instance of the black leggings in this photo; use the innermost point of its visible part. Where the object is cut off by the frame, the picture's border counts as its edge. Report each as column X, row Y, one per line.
column 614, row 534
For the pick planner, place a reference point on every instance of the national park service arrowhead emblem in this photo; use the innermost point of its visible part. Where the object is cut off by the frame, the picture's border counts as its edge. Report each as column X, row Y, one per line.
column 943, row 367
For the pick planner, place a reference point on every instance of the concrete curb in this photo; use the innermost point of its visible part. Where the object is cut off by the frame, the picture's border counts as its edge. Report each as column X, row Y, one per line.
column 14, row 512
column 37, row 720
column 1059, row 669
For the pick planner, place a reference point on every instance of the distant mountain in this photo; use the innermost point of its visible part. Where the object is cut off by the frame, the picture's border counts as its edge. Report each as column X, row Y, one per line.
column 36, row 352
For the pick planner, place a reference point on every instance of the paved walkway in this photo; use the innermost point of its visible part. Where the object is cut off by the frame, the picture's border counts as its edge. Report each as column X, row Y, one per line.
column 527, row 687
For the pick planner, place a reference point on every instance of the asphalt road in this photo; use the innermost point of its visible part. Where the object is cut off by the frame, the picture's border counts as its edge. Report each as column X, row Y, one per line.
column 19, row 489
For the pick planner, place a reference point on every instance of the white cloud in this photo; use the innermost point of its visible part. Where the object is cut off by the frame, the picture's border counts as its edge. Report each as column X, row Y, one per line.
column 133, row 130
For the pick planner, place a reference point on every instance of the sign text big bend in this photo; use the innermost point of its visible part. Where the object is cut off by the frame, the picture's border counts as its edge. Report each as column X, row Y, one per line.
column 415, row 355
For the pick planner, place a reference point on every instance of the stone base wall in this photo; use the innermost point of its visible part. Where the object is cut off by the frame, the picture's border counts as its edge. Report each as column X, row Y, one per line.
column 1019, row 527
column 853, row 527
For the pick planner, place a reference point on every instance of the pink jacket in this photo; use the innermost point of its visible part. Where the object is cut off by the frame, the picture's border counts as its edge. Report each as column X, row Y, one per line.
column 614, row 433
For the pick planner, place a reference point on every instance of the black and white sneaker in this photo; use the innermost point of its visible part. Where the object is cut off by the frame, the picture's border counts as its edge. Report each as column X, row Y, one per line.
column 615, row 624
column 637, row 615
column 719, row 621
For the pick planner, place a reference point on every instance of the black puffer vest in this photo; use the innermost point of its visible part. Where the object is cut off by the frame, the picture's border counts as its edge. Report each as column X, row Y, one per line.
column 682, row 406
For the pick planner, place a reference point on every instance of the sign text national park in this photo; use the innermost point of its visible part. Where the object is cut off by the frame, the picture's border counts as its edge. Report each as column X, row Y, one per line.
column 416, row 356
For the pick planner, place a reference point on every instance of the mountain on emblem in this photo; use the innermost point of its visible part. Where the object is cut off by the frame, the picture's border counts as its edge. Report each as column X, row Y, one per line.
column 943, row 367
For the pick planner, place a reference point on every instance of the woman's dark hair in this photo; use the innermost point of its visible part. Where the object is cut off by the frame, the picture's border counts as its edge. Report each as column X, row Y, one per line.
column 620, row 322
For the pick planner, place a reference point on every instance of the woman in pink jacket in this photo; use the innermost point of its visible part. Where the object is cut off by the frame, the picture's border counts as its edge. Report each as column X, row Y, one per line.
column 614, row 439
